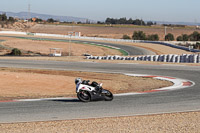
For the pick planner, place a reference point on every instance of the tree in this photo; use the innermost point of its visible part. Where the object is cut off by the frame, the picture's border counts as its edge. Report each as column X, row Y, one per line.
column 50, row 20
column 179, row 38
column 195, row 36
column 125, row 21
column 139, row 35
column 183, row 37
column 122, row 21
column 169, row 37
column 130, row 21
column 38, row 20
column 126, row 37
column 110, row 21
column 99, row 22
column 149, row 23
column 11, row 19
column 153, row 37
column 138, row 22
column 3, row 17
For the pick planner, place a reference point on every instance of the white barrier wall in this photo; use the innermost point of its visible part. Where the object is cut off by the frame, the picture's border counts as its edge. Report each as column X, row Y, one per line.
column 184, row 58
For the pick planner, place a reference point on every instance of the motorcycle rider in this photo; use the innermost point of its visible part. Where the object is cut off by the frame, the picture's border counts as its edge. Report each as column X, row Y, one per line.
column 79, row 81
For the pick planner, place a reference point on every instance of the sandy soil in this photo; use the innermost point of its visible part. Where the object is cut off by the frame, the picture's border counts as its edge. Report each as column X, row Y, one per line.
column 43, row 47
column 162, row 123
column 25, row 83
column 109, row 32
column 170, row 123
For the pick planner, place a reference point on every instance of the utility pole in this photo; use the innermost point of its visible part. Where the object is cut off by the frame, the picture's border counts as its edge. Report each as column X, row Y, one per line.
column 29, row 14
column 165, row 30
column 70, row 36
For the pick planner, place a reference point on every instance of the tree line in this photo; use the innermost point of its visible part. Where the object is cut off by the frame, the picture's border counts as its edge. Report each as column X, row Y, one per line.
column 4, row 18
column 140, row 35
column 195, row 36
column 128, row 21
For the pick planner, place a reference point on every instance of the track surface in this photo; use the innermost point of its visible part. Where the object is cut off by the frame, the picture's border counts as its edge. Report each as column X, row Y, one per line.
column 131, row 50
column 187, row 99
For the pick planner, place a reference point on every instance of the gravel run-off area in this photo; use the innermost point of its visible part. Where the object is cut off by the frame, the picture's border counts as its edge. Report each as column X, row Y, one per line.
column 162, row 123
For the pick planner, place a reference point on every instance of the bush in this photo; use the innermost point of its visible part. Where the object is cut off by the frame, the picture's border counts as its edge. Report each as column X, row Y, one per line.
column 153, row 37
column 179, row 38
column 169, row 37
column 126, row 37
column 195, row 36
column 139, row 35
column 197, row 45
column 16, row 52
column 183, row 37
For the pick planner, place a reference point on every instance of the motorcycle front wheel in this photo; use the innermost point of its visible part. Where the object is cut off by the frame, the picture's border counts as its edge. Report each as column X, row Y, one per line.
column 84, row 96
column 108, row 96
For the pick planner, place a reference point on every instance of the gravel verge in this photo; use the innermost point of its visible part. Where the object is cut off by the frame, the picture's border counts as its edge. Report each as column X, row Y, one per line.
column 187, row 122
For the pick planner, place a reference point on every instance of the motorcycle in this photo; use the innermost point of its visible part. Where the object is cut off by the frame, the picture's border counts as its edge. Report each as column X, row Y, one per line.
column 91, row 92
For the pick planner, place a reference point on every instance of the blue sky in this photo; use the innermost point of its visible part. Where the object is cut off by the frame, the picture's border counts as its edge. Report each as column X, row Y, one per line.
column 159, row 10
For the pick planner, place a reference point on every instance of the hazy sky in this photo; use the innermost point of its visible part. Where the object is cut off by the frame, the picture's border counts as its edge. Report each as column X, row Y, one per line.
column 159, row 10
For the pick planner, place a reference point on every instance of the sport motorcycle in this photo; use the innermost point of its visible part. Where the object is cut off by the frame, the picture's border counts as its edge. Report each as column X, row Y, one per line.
column 87, row 92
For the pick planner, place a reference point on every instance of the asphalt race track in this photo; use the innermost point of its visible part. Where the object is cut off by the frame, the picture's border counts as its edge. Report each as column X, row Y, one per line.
column 187, row 99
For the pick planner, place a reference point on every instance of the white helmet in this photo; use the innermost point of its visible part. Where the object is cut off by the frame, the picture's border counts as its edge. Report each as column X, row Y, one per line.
column 78, row 80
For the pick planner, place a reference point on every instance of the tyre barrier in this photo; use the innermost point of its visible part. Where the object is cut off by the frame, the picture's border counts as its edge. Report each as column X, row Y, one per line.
column 184, row 58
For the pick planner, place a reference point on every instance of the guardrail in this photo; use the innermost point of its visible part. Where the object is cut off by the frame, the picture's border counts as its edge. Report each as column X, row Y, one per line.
column 184, row 58
column 101, row 39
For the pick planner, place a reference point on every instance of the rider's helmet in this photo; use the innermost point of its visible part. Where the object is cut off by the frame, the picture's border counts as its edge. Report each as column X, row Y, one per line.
column 78, row 80
column 94, row 84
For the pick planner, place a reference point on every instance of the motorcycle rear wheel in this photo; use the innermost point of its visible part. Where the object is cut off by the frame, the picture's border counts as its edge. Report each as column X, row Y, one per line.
column 84, row 96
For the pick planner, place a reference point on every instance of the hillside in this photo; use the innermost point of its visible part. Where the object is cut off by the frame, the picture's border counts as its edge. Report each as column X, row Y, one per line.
column 24, row 15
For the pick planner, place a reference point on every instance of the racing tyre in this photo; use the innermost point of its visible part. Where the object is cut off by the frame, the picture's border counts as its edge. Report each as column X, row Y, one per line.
column 84, row 96
column 108, row 96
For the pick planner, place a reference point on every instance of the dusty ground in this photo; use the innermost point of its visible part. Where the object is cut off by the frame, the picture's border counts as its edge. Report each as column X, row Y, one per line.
column 110, row 32
column 43, row 47
column 25, row 83
column 172, row 123
column 79, row 49
column 188, row 122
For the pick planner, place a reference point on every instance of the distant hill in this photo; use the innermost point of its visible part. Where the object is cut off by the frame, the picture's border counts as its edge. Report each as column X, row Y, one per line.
column 24, row 15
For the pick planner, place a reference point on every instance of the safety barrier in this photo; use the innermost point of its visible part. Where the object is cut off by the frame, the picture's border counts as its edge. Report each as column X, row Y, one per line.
column 102, row 39
column 184, row 58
